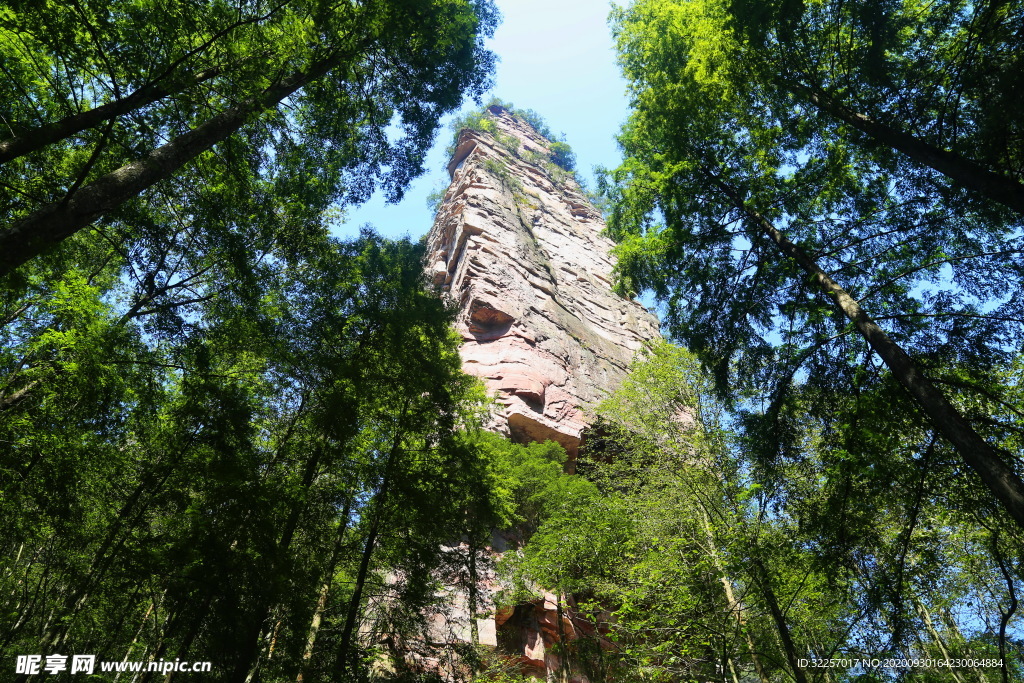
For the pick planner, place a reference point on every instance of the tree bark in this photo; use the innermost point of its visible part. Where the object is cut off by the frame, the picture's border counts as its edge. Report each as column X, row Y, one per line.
column 763, row 582
column 999, row 477
column 55, row 222
column 323, row 593
column 1004, row 614
column 380, row 504
column 971, row 175
column 41, row 136
column 922, row 611
column 344, row 654
column 735, row 606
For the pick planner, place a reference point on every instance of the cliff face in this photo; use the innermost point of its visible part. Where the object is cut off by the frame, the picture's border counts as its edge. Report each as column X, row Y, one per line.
column 521, row 252
column 518, row 246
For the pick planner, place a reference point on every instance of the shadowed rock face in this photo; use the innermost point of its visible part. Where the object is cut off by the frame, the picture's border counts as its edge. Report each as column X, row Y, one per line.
column 521, row 253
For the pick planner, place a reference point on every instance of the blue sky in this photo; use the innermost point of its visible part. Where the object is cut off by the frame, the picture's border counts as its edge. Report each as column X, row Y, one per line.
column 557, row 58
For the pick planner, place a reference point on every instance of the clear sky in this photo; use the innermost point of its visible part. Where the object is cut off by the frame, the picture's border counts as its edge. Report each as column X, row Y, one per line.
column 557, row 58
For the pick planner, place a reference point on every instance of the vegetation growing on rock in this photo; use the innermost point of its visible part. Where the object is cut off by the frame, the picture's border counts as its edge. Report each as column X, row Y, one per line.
column 225, row 435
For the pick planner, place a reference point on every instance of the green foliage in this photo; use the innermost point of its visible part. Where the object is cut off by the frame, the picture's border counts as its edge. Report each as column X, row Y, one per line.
column 192, row 99
column 472, row 120
column 527, row 478
column 434, row 198
column 561, row 158
column 221, row 431
column 499, row 170
column 749, row 149
column 723, row 148
column 695, row 554
column 233, row 472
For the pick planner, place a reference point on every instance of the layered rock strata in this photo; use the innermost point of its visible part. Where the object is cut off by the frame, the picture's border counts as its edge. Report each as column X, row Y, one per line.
column 517, row 244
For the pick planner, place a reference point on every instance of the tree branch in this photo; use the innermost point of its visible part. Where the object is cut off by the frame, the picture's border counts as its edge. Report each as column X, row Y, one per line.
column 55, row 222
column 1005, row 485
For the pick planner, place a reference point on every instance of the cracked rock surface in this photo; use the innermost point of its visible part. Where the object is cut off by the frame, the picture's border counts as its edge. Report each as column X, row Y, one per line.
column 517, row 245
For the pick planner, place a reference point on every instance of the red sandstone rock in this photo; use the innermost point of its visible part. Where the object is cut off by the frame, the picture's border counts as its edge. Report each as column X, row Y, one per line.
column 522, row 254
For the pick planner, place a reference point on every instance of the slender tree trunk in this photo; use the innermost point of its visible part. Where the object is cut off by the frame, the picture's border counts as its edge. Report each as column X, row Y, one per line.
column 960, row 642
column 732, row 666
column 344, row 654
column 474, row 629
column 735, row 606
column 771, row 601
column 183, row 645
column 990, row 184
column 55, row 222
column 250, row 658
column 380, row 508
column 563, row 645
column 999, row 477
column 922, row 611
column 323, row 593
column 142, row 626
column 1004, row 614
column 314, row 627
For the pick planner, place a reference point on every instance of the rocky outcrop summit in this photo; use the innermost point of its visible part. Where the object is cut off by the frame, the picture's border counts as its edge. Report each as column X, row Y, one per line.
column 518, row 245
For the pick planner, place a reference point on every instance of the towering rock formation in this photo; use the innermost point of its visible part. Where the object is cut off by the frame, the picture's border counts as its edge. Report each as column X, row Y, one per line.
column 518, row 245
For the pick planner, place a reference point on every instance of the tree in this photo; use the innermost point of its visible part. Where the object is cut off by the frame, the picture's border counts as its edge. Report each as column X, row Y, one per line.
column 231, row 491
column 703, row 558
column 207, row 445
column 784, row 235
column 107, row 105
column 938, row 84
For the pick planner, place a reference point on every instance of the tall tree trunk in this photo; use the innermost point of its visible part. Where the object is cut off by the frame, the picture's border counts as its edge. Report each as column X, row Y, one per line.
column 250, row 658
column 142, row 626
column 735, row 606
column 323, row 593
column 990, row 184
column 763, row 581
column 1004, row 614
column 929, row 625
column 999, row 477
column 344, row 654
column 563, row 645
column 380, row 503
column 474, row 629
column 55, row 222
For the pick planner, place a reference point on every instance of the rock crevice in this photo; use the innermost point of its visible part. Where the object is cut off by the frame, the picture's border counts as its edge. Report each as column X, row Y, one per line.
column 518, row 246
column 523, row 255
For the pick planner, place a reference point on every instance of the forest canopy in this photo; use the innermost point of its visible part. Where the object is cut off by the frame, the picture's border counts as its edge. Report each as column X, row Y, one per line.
column 825, row 198
column 809, row 167
column 218, row 424
column 226, row 434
